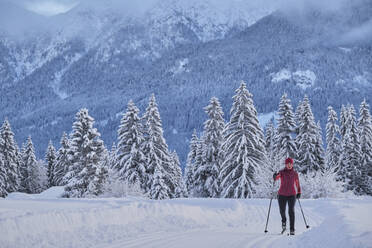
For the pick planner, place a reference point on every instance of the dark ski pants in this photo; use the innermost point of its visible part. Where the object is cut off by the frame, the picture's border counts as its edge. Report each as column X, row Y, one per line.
column 291, row 212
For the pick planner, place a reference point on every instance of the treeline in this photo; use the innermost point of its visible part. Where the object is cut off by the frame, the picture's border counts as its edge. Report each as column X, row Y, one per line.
column 232, row 160
column 85, row 167
column 235, row 159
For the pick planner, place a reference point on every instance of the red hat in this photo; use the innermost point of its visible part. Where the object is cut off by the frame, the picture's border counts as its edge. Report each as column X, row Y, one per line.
column 288, row 160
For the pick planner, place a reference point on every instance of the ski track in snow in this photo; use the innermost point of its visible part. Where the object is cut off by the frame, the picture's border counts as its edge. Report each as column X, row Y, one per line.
column 32, row 221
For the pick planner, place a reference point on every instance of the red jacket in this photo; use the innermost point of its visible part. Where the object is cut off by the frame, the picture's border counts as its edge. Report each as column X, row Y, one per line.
column 288, row 180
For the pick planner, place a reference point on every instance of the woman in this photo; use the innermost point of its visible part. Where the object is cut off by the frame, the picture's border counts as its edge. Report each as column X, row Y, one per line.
column 287, row 193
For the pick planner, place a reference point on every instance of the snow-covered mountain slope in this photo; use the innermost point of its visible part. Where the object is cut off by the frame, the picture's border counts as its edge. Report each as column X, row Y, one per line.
column 40, row 221
column 100, row 56
column 115, row 39
column 118, row 26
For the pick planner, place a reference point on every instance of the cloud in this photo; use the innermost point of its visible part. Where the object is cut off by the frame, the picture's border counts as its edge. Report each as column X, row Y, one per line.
column 359, row 34
column 306, row 5
column 46, row 7
column 49, row 8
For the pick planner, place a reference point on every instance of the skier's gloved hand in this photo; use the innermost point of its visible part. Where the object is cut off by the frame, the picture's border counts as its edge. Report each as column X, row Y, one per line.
column 275, row 175
column 298, row 196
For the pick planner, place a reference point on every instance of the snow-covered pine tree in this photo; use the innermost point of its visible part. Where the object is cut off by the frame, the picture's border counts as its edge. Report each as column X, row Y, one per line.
column 349, row 163
column 306, row 140
column 189, row 170
column 333, row 142
column 113, row 156
column 343, row 120
column 319, row 148
column 131, row 165
column 213, row 140
column 355, row 153
column 365, row 129
column 244, row 148
column 177, row 174
column 42, row 174
column 298, row 114
column 159, row 189
column 270, row 135
column 96, row 185
column 87, row 148
column 155, row 148
column 285, row 145
column 31, row 179
column 264, row 178
column 23, row 172
column 63, row 160
column 8, row 149
column 50, row 158
column 3, row 175
column 200, row 171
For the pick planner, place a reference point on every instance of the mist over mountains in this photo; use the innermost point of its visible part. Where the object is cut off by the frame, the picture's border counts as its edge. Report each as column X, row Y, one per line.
column 100, row 56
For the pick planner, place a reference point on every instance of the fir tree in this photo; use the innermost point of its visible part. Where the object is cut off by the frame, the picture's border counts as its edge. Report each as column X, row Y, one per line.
column 155, row 148
column 50, row 158
column 23, row 172
column 159, row 189
column 270, row 135
column 3, row 176
column 63, row 160
column 213, row 140
column 365, row 129
column 113, row 156
column 355, row 152
column 244, row 148
column 200, row 171
column 189, row 170
column 30, row 165
column 177, row 175
column 285, row 145
column 345, row 169
column 343, row 121
column 96, row 185
column 349, row 164
column 307, row 139
column 298, row 115
column 333, row 141
column 319, row 148
column 131, row 164
column 87, row 148
column 8, row 149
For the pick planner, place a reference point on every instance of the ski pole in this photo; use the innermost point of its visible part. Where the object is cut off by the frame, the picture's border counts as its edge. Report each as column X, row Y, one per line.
column 307, row 226
column 268, row 214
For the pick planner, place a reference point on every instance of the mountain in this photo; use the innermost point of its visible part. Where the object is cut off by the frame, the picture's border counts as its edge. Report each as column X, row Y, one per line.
column 101, row 56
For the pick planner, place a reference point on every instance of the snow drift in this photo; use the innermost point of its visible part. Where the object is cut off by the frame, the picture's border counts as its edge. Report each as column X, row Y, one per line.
column 41, row 221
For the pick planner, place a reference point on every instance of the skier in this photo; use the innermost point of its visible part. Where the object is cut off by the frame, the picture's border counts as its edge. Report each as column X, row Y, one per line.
column 287, row 193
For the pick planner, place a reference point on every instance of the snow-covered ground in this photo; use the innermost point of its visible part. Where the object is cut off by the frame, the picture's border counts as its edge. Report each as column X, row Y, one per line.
column 47, row 221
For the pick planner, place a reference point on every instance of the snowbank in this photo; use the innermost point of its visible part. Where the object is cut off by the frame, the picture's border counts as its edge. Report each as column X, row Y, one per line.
column 135, row 222
column 51, row 193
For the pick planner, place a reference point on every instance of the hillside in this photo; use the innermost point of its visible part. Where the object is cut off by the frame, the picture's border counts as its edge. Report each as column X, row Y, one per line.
column 100, row 58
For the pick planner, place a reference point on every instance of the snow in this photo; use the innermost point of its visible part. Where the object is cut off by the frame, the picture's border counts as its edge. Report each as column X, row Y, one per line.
column 282, row 75
column 361, row 80
column 265, row 118
column 345, row 49
column 45, row 220
column 51, row 193
column 302, row 79
column 181, row 66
